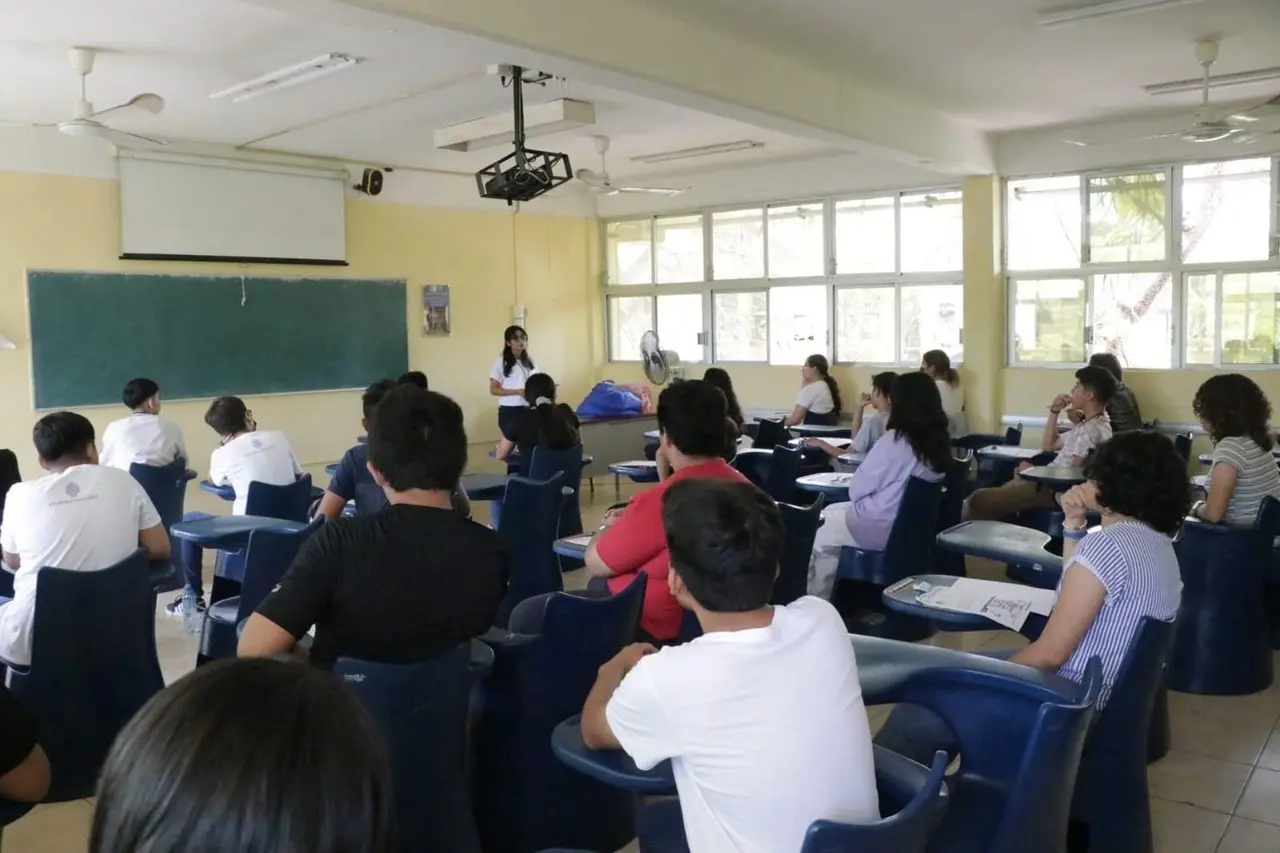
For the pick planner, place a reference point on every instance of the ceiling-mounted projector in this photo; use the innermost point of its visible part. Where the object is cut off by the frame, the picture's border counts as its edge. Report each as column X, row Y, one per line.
column 524, row 174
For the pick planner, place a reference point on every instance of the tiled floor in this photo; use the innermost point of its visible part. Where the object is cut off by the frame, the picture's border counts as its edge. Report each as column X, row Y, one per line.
column 1218, row 789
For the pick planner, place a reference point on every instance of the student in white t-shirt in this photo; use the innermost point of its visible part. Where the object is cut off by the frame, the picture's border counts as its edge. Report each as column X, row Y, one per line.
column 819, row 399
column 762, row 716
column 143, row 437
column 507, row 377
column 82, row 516
column 936, row 364
column 245, row 455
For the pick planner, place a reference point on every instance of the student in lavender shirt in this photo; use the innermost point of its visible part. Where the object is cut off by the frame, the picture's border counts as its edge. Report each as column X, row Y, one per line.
column 915, row 444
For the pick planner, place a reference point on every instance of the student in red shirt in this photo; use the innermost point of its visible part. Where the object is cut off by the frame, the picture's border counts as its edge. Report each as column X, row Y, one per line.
column 691, row 420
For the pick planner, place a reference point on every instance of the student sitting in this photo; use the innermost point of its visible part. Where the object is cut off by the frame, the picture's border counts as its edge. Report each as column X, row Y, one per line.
column 416, row 378
column 83, row 517
column 544, row 423
column 1234, row 411
column 1122, row 408
column 212, row 764
column 819, row 400
column 867, row 429
column 1093, row 390
column 24, row 768
column 353, row 482
column 245, row 455
column 1111, row 580
column 691, row 418
column 936, row 364
column 143, row 437
column 766, row 694
column 915, row 444
column 407, row 583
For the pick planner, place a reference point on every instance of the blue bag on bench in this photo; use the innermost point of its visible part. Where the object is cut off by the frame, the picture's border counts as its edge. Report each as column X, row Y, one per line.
column 607, row 400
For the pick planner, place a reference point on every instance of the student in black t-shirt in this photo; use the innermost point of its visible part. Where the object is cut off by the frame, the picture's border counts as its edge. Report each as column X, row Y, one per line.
column 24, row 769
column 414, row 580
column 545, row 423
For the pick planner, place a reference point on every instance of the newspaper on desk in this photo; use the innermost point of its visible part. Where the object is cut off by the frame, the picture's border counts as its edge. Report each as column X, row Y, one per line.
column 1006, row 604
column 581, row 541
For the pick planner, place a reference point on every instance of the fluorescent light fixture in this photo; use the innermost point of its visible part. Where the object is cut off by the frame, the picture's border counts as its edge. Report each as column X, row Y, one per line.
column 1061, row 16
column 285, row 77
column 1217, row 81
column 701, row 151
column 539, row 120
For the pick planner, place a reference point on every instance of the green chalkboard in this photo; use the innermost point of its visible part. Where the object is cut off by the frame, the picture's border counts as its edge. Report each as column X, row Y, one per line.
column 204, row 336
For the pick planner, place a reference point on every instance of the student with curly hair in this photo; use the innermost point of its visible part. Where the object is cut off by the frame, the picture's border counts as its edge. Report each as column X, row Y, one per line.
column 1112, row 578
column 1234, row 411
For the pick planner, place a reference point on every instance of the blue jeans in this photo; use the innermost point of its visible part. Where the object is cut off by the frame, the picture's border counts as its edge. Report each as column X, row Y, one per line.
column 192, row 556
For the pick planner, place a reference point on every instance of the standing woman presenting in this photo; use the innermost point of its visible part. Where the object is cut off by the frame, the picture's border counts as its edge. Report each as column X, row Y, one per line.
column 506, row 380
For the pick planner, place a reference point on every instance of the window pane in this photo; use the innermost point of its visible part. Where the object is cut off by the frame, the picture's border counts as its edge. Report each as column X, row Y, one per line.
column 1133, row 318
column 796, row 241
column 678, row 242
column 1044, row 223
column 629, row 318
column 742, row 326
column 932, row 235
column 1226, row 211
column 1250, row 319
column 629, row 250
column 1048, row 320
column 865, row 233
column 1127, row 218
column 932, row 318
column 1201, row 318
column 797, row 323
column 737, row 244
column 680, row 323
column 865, row 326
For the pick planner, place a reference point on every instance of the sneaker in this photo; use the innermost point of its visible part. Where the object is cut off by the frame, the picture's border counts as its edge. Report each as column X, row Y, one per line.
column 174, row 608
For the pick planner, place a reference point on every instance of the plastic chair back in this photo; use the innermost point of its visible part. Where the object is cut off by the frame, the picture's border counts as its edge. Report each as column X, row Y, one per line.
column 9, row 475
column 525, row 798
column 913, row 799
column 784, row 468
column 166, row 486
column 1182, row 444
column 909, row 549
column 1013, row 436
column 422, row 710
column 800, row 526
column 268, row 556
column 93, row 665
column 770, row 434
column 1111, row 796
column 546, row 463
column 530, row 519
column 290, row 502
column 955, row 484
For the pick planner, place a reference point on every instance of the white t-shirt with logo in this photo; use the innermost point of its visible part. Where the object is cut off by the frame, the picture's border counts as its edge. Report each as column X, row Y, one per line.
column 765, row 729
column 515, row 382
column 263, row 456
column 144, row 438
column 816, row 398
column 85, row 518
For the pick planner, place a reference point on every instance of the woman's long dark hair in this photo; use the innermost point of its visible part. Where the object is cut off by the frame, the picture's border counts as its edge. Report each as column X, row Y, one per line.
column 251, row 755
column 508, row 357
column 941, row 364
column 916, row 414
column 819, row 363
column 1232, row 404
column 554, row 427
column 720, row 378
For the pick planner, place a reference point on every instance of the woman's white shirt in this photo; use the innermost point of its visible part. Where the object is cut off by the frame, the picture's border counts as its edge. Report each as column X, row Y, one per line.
column 514, row 382
column 953, row 405
column 816, row 398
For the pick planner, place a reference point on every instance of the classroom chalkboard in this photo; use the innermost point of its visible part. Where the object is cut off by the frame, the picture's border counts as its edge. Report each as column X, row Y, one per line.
column 205, row 336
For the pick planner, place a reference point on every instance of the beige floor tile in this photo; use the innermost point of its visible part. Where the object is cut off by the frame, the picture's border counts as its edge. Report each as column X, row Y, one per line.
column 1258, row 706
column 1234, row 739
column 1261, row 800
column 1198, row 780
column 964, row 641
column 60, row 828
column 1250, row 836
column 1270, row 757
column 1180, row 828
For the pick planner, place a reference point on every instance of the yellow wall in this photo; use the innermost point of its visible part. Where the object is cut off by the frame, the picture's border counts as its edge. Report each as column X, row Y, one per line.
column 490, row 260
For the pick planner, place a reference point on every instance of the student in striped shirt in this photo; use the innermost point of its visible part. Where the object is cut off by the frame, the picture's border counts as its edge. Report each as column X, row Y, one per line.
column 1234, row 411
column 1112, row 577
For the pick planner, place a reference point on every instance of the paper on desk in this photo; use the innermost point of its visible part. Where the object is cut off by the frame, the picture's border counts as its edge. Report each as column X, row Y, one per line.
column 1005, row 604
column 583, row 541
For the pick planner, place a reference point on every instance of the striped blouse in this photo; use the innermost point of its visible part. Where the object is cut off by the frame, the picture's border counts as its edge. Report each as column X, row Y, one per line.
column 1256, row 476
column 1138, row 567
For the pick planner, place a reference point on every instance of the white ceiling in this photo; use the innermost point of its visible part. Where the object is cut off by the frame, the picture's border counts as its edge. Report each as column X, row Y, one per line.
column 986, row 61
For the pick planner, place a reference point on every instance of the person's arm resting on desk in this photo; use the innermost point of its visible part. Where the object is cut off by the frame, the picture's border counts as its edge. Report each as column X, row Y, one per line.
column 622, row 712
column 1222, row 484
column 24, row 768
column 629, row 540
column 296, row 604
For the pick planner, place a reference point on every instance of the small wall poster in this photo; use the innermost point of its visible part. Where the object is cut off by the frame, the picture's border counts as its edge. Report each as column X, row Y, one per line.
column 435, row 310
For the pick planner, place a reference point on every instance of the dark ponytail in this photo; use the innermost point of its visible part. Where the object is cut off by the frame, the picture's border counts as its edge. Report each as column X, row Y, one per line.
column 508, row 357
column 556, row 426
column 819, row 363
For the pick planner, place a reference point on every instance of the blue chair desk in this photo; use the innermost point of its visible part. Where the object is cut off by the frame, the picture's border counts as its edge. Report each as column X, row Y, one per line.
column 573, row 547
column 1007, row 543
column 230, row 532
column 834, row 441
column 1200, row 482
column 1059, row 478
column 903, row 598
column 851, row 460
column 834, row 486
column 227, row 493
column 611, row 766
column 1009, row 452
column 652, row 435
column 331, row 469
column 640, row 471
column 821, row 431
column 485, row 487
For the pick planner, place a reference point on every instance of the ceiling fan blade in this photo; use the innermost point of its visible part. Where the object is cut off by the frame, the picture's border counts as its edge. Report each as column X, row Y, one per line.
column 667, row 191
column 1258, row 112
column 591, row 178
column 123, row 139
column 147, row 101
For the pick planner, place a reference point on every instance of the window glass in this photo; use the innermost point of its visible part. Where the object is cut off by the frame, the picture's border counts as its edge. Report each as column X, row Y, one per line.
column 678, row 243
column 1044, row 223
column 680, row 324
column 1226, row 211
column 629, row 249
column 737, row 244
column 1250, row 319
column 1133, row 318
column 629, row 318
column 866, row 329
column 1048, row 321
column 866, row 235
column 932, row 318
column 1127, row 218
column 742, row 326
column 797, row 323
column 1202, row 310
column 932, row 232
column 796, row 241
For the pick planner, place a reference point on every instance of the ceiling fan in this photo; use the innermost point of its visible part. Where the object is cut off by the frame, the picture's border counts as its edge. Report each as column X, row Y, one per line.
column 601, row 184
column 85, row 121
column 1209, row 125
